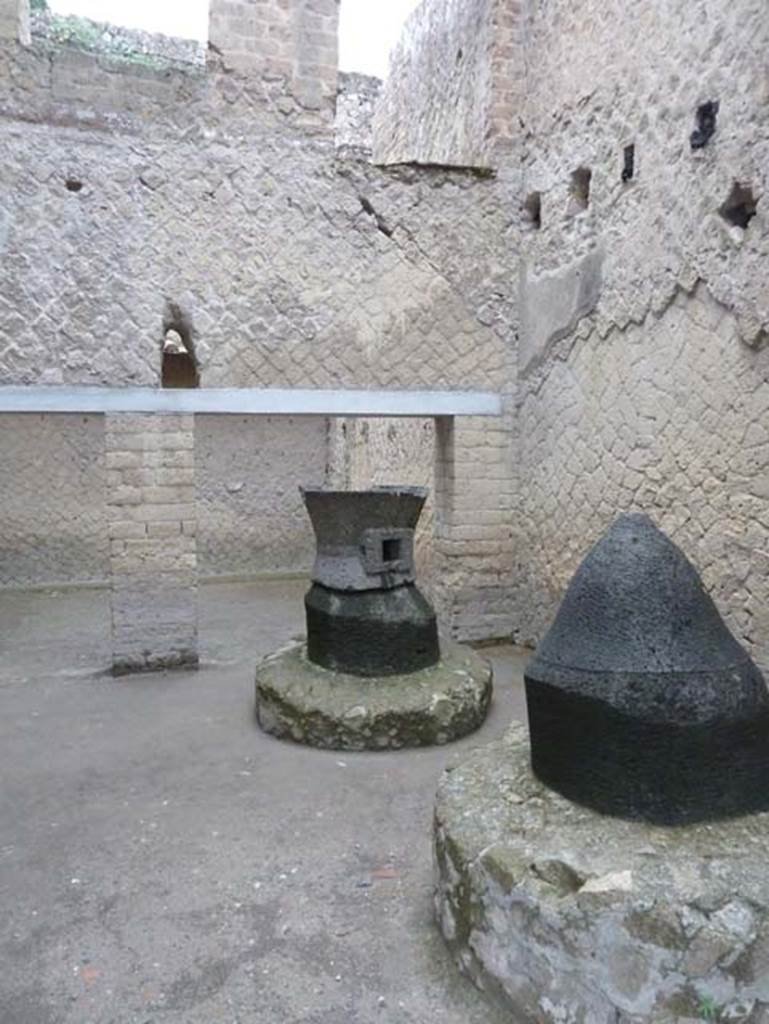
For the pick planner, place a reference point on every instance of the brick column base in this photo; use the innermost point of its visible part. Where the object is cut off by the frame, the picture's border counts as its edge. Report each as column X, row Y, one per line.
column 474, row 536
column 152, row 532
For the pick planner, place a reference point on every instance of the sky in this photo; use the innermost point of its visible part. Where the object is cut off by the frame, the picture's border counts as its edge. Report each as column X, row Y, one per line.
column 367, row 31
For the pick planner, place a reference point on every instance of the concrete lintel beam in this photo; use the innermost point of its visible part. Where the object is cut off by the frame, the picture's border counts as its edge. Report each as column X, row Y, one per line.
column 249, row 401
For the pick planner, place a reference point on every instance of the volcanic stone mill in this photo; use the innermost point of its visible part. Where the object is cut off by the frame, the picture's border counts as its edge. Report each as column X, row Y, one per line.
column 373, row 672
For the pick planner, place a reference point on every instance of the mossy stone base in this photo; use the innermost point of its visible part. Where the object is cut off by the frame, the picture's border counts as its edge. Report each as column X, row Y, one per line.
column 564, row 915
column 300, row 701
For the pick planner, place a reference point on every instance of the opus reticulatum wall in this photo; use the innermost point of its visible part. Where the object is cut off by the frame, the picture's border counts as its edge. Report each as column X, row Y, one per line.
column 643, row 375
column 642, row 132
column 586, row 236
column 143, row 194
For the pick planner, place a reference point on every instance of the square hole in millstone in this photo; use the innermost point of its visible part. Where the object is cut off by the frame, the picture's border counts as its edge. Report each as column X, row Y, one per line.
column 391, row 549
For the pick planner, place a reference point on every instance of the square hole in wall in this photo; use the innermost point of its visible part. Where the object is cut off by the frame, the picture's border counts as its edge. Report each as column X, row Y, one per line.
column 532, row 210
column 740, row 206
column 628, row 163
column 706, row 118
column 580, row 189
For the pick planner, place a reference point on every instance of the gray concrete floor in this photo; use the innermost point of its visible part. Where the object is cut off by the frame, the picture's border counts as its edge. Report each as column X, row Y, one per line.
column 164, row 862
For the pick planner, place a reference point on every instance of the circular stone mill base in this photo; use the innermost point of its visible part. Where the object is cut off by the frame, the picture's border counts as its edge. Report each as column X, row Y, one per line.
column 301, row 701
column 565, row 915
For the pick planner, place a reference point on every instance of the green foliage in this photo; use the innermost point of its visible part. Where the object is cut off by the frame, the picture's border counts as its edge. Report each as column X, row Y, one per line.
column 72, row 30
column 708, row 1009
column 38, row 5
column 75, row 31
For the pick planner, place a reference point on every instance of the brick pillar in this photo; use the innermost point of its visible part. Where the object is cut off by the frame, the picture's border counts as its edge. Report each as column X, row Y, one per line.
column 294, row 43
column 474, row 526
column 508, row 70
column 14, row 21
column 152, row 531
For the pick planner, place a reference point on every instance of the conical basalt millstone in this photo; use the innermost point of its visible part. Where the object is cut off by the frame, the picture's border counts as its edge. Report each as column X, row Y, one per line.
column 641, row 702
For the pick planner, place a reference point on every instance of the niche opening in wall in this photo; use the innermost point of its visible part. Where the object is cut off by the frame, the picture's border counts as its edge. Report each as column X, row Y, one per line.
column 179, row 368
column 532, row 209
column 706, row 117
column 628, row 163
column 740, row 206
column 580, row 189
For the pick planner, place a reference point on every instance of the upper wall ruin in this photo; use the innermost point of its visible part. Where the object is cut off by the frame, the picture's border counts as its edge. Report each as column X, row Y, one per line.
column 633, row 198
column 296, row 43
column 15, row 21
column 286, row 53
column 453, row 90
column 134, row 185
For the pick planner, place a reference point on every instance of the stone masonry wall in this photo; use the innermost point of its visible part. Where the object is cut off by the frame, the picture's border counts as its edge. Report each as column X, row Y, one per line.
column 115, row 40
column 452, row 93
column 355, row 102
column 466, row 538
column 15, row 21
column 248, row 470
column 292, row 43
column 52, row 504
column 668, row 417
column 643, row 362
column 251, row 520
column 160, row 194
column 622, row 311
column 476, row 526
column 151, row 191
column 435, row 104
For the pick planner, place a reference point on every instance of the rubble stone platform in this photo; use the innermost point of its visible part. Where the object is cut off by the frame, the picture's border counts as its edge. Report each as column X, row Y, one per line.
column 301, row 701
column 562, row 914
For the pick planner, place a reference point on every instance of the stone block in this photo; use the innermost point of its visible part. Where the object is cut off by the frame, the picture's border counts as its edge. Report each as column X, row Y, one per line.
column 300, row 701
column 563, row 915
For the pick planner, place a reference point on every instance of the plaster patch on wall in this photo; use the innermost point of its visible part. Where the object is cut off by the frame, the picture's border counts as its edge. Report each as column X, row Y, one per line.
column 553, row 304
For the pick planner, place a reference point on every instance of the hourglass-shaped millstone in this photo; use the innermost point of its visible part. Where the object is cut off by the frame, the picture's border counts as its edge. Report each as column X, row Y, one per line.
column 371, row 675
column 641, row 702
column 365, row 614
